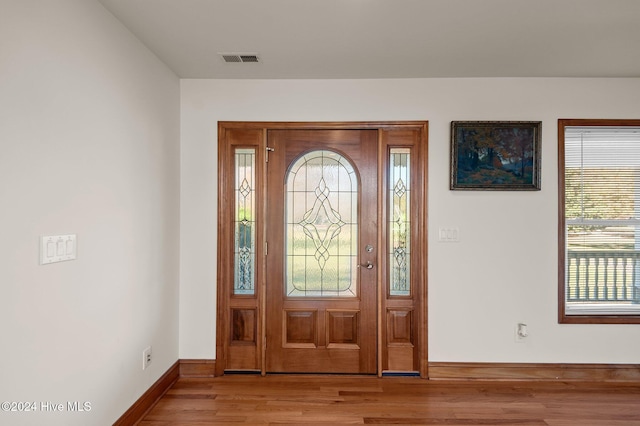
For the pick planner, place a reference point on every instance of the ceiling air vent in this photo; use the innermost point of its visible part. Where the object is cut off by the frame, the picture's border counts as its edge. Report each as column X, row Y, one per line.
column 239, row 57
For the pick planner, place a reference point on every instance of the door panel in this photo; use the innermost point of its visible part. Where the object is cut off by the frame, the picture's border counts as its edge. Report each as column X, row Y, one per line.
column 321, row 214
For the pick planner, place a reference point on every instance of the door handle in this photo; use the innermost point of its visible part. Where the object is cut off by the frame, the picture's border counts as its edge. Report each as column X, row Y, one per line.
column 367, row 265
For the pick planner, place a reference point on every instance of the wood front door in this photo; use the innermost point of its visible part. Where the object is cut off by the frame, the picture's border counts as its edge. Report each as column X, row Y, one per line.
column 322, row 247
column 322, row 232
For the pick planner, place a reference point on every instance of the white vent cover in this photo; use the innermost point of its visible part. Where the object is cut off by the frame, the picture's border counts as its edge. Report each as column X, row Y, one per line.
column 240, row 57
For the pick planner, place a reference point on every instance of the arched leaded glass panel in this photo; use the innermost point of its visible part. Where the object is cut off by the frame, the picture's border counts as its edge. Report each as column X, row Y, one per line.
column 321, row 226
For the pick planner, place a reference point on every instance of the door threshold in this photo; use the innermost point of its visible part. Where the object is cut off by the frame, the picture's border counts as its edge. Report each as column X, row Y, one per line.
column 400, row 374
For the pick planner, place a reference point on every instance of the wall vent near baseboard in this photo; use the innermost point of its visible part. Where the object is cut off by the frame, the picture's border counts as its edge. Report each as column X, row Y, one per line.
column 240, row 57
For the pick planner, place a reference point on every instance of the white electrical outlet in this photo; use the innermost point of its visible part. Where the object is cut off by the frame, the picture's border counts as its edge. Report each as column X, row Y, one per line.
column 146, row 358
column 522, row 332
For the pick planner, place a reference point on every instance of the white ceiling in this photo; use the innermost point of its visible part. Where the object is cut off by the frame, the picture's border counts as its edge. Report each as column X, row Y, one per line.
column 390, row 38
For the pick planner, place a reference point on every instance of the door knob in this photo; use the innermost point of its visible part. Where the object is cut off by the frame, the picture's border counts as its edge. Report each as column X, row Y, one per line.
column 367, row 265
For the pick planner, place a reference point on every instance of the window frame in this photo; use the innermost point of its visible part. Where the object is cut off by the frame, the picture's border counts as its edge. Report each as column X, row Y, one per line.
column 586, row 318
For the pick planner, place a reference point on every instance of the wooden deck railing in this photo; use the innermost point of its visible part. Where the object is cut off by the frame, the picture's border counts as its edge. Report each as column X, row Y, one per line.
column 603, row 276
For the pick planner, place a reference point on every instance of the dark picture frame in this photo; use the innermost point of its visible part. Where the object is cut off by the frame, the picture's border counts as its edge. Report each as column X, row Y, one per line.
column 495, row 155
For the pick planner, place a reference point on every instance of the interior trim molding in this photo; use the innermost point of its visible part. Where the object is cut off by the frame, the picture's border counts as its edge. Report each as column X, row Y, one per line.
column 150, row 397
column 197, row 368
column 534, row 372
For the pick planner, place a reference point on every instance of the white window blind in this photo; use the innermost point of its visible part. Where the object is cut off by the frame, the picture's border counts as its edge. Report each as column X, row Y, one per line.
column 602, row 220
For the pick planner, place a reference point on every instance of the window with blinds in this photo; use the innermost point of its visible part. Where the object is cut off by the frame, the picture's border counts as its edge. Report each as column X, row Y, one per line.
column 600, row 220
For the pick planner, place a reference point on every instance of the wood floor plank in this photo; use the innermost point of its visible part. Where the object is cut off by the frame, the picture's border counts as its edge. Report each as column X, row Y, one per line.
column 334, row 400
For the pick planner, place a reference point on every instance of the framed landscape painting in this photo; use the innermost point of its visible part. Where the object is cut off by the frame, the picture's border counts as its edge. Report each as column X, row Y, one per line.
column 495, row 155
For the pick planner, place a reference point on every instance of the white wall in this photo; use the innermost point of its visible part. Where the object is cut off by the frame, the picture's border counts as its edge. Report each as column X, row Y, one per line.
column 89, row 138
column 504, row 269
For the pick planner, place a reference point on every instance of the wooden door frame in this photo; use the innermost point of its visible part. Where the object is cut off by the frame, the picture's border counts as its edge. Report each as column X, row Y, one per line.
column 240, row 320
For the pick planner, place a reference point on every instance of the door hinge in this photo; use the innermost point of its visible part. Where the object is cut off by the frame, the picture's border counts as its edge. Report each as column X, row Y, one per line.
column 266, row 248
column 266, row 158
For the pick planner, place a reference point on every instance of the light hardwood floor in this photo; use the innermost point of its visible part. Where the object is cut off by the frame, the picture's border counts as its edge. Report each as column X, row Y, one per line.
column 335, row 400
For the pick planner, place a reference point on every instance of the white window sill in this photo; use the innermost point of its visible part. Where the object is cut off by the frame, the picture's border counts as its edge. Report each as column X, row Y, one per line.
column 602, row 309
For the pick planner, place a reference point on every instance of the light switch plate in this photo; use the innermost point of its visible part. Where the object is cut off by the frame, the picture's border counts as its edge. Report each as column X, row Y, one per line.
column 57, row 248
column 449, row 235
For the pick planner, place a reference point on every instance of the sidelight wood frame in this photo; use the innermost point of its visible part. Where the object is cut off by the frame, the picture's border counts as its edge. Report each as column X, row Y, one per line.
column 248, row 354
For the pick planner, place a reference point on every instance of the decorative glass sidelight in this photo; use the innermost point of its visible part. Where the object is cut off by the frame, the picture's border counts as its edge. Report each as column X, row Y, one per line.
column 399, row 222
column 244, row 221
column 321, row 226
